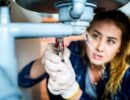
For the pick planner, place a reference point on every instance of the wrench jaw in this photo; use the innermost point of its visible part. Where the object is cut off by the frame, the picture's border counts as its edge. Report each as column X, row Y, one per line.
column 60, row 47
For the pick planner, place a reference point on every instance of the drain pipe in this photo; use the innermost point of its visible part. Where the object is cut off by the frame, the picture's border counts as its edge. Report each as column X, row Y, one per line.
column 77, row 9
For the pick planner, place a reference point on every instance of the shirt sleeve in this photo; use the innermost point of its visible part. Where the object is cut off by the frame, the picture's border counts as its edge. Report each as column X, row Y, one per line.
column 74, row 47
column 23, row 77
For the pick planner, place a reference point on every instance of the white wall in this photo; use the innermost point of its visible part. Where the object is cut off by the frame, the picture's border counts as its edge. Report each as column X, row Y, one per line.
column 126, row 9
column 26, row 51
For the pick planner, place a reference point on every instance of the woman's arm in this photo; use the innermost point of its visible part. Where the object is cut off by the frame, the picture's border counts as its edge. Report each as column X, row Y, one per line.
column 34, row 72
column 31, row 74
column 37, row 69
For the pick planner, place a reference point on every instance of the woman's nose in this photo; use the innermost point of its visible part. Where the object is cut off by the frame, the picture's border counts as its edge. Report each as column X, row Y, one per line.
column 100, row 46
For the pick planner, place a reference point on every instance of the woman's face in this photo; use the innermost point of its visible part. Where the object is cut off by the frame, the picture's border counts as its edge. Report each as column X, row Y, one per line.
column 105, row 39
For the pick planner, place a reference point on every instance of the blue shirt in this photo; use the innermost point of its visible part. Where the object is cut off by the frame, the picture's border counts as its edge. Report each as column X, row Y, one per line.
column 81, row 77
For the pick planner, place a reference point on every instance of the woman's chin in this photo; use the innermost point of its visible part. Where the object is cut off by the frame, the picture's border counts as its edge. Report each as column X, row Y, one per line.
column 95, row 62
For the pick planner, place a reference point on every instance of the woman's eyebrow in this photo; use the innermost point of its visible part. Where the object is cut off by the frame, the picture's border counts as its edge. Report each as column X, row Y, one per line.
column 114, row 38
column 97, row 32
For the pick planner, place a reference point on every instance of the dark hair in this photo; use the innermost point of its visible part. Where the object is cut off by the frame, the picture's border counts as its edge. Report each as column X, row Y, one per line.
column 120, row 62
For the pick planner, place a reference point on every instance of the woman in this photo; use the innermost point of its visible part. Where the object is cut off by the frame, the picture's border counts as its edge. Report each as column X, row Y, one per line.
column 100, row 64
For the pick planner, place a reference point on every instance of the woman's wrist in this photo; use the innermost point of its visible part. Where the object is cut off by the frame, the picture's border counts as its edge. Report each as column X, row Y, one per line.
column 72, row 92
column 77, row 95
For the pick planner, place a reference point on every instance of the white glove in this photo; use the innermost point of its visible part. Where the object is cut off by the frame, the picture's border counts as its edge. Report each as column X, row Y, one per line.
column 62, row 76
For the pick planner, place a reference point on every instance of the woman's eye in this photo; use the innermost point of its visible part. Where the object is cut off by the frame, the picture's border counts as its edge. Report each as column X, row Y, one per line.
column 95, row 36
column 110, row 41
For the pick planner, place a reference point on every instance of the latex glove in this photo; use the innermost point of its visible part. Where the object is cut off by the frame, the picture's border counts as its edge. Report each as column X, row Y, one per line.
column 62, row 76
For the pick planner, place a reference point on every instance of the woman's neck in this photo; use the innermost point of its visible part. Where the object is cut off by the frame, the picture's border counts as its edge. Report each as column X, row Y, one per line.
column 96, row 73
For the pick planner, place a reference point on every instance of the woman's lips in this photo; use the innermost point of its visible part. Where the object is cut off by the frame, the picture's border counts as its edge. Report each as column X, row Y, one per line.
column 97, row 57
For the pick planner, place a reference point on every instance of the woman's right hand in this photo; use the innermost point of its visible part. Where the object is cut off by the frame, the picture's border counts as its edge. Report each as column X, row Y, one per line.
column 62, row 76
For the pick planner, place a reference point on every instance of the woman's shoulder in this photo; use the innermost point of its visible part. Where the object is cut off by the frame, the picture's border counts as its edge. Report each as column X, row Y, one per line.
column 125, row 88
column 126, row 78
column 127, row 73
